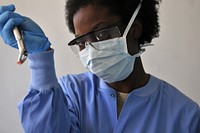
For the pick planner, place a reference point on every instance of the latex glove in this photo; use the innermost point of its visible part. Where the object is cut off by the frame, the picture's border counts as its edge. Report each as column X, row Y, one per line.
column 33, row 37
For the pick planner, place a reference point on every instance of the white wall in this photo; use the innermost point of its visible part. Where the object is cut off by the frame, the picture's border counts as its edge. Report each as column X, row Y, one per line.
column 174, row 58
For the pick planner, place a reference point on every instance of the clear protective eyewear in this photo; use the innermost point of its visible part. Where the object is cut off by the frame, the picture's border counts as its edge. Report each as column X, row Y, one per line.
column 79, row 43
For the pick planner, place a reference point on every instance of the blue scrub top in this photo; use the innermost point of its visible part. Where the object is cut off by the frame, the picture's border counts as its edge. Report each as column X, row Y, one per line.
column 83, row 103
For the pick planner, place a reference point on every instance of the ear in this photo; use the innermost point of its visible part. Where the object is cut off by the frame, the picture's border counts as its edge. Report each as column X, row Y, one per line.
column 136, row 29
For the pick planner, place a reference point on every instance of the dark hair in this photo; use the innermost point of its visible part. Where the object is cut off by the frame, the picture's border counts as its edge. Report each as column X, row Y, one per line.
column 148, row 14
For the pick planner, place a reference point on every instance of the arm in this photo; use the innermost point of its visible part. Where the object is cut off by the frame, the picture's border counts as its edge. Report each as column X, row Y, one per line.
column 44, row 109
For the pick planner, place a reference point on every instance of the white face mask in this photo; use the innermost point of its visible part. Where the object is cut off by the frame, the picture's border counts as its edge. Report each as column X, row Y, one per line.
column 111, row 62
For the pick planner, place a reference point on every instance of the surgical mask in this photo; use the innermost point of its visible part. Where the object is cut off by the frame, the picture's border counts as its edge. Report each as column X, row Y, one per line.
column 109, row 59
column 111, row 63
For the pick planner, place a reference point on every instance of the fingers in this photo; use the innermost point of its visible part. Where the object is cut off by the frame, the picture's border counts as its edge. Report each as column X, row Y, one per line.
column 7, row 8
column 33, row 36
column 8, row 20
column 7, row 33
column 6, row 16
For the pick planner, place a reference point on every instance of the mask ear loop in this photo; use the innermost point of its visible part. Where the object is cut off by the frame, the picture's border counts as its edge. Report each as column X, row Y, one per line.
column 131, row 21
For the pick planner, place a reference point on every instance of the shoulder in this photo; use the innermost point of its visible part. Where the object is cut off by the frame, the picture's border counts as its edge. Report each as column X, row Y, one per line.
column 79, row 82
column 78, row 79
column 180, row 111
column 86, row 76
column 176, row 100
column 174, row 94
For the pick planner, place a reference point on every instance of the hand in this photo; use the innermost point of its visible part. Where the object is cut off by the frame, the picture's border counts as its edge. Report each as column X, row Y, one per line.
column 34, row 38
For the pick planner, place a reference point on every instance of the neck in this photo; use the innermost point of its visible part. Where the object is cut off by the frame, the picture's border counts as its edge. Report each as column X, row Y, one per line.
column 138, row 78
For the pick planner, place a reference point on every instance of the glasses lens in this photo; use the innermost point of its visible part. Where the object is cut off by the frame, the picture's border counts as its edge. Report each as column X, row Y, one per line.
column 79, row 43
column 77, row 48
column 109, row 33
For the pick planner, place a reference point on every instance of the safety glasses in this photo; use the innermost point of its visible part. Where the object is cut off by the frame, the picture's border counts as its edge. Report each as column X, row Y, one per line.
column 79, row 43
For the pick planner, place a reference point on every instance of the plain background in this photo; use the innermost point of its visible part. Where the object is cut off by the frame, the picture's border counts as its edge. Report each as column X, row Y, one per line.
column 174, row 58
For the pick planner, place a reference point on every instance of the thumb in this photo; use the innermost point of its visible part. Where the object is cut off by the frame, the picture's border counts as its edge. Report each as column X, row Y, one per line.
column 10, row 7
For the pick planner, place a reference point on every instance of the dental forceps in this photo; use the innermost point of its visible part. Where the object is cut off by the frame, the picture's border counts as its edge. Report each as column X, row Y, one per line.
column 22, row 51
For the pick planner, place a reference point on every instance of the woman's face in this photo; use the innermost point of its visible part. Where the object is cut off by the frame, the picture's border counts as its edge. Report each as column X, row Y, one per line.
column 93, row 17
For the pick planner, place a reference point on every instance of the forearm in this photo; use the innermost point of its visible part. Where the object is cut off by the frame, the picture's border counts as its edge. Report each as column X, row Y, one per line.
column 43, row 75
column 44, row 109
